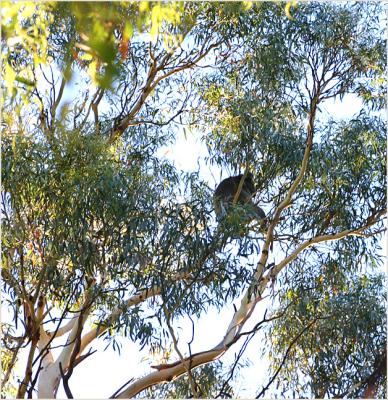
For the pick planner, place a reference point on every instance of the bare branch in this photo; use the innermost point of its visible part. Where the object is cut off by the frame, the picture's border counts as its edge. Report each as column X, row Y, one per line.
column 94, row 99
column 240, row 185
column 79, row 359
column 94, row 104
column 150, row 85
column 120, row 388
column 306, row 328
column 74, row 360
column 187, row 65
column 168, row 372
column 79, row 110
column 65, row 381
column 274, row 271
column 57, row 101
column 287, row 200
column 68, row 353
column 194, row 385
column 34, row 336
column 95, row 332
column 61, row 331
column 141, row 122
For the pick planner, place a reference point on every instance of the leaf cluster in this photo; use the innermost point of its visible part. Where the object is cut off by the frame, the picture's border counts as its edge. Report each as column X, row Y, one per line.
column 333, row 354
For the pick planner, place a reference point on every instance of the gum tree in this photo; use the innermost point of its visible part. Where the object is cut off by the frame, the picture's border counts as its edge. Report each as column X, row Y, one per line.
column 103, row 236
column 325, row 183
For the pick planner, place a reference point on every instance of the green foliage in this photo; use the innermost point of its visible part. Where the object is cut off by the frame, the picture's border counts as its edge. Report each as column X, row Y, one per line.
column 257, row 108
column 95, row 34
column 91, row 205
column 211, row 379
column 264, row 91
column 347, row 334
column 8, row 362
column 353, row 153
column 80, row 210
column 24, row 28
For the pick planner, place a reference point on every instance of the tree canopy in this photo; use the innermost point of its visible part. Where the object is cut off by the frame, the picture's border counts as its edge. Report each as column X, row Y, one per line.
column 103, row 236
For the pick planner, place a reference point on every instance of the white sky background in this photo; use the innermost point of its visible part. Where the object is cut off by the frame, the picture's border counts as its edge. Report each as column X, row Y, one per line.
column 105, row 371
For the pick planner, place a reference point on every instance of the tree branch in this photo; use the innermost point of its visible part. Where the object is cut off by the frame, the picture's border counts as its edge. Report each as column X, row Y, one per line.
column 64, row 357
column 274, row 271
column 240, row 185
column 379, row 372
column 259, row 282
column 150, row 85
column 170, row 372
column 306, row 328
column 34, row 336
column 61, row 331
column 94, row 105
column 95, row 332
column 56, row 102
column 194, row 385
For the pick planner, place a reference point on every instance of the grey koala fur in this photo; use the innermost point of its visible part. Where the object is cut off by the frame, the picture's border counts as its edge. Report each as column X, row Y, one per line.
column 225, row 192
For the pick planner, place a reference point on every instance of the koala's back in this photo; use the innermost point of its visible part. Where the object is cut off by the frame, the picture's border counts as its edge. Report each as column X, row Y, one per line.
column 228, row 187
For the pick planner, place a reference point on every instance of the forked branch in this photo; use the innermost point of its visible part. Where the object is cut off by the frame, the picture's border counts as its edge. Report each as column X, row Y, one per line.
column 151, row 83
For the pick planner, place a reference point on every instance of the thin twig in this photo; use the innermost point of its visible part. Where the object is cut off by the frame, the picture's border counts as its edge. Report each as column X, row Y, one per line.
column 194, row 385
column 285, row 357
